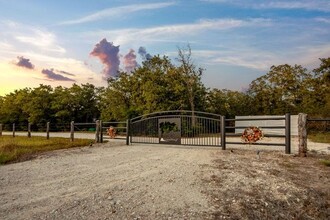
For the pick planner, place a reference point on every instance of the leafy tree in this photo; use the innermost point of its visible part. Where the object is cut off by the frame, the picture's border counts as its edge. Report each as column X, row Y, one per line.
column 191, row 80
column 11, row 110
column 78, row 103
column 283, row 89
column 229, row 103
column 38, row 106
column 115, row 101
column 156, row 85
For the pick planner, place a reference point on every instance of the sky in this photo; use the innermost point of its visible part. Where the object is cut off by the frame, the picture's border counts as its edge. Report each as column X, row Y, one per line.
column 62, row 42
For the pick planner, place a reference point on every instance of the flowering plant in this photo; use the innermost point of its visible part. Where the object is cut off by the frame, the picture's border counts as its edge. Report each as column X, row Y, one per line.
column 252, row 134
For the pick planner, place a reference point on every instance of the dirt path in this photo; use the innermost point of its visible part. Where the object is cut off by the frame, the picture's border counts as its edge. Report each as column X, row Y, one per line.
column 107, row 182
column 114, row 181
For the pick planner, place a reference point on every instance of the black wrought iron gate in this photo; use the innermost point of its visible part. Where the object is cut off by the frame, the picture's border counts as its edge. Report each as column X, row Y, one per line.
column 177, row 127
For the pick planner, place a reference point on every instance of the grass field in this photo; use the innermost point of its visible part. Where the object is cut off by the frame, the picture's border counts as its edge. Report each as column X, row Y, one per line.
column 320, row 137
column 23, row 148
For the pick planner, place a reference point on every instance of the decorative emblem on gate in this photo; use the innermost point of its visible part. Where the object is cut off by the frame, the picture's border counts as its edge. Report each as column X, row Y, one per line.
column 252, row 134
column 169, row 130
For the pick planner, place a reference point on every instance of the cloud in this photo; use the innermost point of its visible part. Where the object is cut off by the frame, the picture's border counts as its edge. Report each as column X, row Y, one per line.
column 18, row 35
column 41, row 39
column 50, row 74
column 23, row 62
column 129, row 61
column 117, row 12
column 143, row 53
column 317, row 5
column 178, row 31
column 109, row 56
column 65, row 73
column 323, row 20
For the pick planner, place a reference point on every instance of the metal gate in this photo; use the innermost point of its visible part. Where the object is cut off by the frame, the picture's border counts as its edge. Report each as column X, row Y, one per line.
column 177, row 127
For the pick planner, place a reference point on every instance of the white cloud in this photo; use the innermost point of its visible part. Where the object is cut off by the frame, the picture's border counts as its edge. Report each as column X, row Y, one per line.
column 176, row 32
column 318, row 5
column 117, row 12
column 323, row 20
column 41, row 39
column 262, row 60
column 19, row 35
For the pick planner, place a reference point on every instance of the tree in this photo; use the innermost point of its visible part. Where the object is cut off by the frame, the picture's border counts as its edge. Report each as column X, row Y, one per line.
column 11, row 110
column 229, row 103
column 191, row 79
column 38, row 106
column 283, row 89
column 77, row 103
column 321, row 84
column 156, row 85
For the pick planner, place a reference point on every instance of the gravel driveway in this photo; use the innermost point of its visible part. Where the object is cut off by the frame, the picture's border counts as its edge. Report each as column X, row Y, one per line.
column 108, row 181
column 115, row 181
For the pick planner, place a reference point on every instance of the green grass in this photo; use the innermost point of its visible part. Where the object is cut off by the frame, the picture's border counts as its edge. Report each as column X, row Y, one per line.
column 325, row 162
column 24, row 148
column 320, row 137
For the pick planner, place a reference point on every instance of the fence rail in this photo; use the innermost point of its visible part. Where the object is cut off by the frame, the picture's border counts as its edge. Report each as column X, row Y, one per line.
column 286, row 128
column 98, row 128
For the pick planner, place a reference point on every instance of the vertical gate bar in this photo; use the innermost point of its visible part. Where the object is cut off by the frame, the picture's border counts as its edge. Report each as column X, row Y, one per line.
column 213, row 130
column 127, row 131
column 204, row 132
column 0, row 130
column 223, row 132
column 101, row 131
column 142, row 129
column 208, row 132
column 182, row 135
column 287, row 133
column 201, row 128
column 132, row 132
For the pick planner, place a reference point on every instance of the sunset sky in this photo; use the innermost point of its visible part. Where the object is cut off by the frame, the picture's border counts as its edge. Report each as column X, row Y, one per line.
column 81, row 41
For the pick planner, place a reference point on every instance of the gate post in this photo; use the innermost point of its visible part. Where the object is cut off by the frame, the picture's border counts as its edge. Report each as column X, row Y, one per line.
column 223, row 132
column 97, row 131
column 29, row 130
column 128, row 122
column 287, row 133
column 302, row 134
column 0, row 130
column 13, row 129
column 47, row 130
column 72, row 130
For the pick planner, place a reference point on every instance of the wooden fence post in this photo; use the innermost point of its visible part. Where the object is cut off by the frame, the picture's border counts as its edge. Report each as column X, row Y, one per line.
column 0, row 130
column 29, row 130
column 13, row 129
column 72, row 131
column 302, row 134
column 97, row 132
column 47, row 130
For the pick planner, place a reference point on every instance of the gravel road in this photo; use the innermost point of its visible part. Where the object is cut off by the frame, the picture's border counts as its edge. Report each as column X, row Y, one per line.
column 115, row 181
column 108, row 181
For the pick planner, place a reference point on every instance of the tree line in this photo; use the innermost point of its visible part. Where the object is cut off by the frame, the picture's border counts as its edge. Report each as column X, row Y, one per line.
column 160, row 84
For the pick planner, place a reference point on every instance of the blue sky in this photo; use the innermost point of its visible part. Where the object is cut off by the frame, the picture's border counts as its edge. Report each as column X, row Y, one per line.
column 50, row 42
